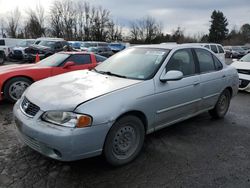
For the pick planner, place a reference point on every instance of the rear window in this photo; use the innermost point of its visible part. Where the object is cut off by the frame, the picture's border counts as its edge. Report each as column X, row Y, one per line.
column 220, row 49
column 2, row 42
column 205, row 59
column 214, row 49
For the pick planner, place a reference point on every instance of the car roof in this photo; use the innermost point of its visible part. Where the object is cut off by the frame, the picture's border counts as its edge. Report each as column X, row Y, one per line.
column 74, row 52
column 171, row 46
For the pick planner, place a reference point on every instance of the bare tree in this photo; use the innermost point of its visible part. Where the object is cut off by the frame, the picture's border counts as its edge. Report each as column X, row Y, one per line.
column 145, row 30
column 100, row 19
column 56, row 25
column 12, row 23
column 34, row 27
column 2, row 27
column 114, row 32
column 134, row 30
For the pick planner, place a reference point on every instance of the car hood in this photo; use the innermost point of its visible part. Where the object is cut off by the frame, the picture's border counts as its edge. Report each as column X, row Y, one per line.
column 39, row 47
column 15, row 67
column 19, row 48
column 241, row 65
column 66, row 91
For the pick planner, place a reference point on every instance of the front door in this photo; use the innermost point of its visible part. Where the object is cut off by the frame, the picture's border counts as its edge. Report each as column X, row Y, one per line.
column 178, row 100
column 82, row 61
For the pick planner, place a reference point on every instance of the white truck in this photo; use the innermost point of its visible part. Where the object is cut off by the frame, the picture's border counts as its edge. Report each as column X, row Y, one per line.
column 7, row 44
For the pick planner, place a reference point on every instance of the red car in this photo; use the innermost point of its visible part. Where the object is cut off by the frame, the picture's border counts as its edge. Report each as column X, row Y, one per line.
column 14, row 79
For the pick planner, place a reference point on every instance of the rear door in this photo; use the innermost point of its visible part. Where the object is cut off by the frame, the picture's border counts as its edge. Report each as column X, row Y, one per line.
column 211, row 77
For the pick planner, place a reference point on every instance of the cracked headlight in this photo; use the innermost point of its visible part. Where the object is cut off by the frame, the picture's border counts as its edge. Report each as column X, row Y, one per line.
column 67, row 119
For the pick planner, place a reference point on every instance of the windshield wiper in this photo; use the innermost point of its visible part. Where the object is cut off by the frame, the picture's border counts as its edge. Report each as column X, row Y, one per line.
column 112, row 74
column 109, row 73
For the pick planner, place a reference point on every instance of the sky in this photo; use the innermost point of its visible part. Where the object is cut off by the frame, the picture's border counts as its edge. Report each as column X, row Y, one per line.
column 191, row 15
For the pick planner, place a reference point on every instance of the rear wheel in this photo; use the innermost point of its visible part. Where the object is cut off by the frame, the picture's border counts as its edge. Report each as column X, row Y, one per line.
column 15, row 87
column 124, row 140
column 222, row 105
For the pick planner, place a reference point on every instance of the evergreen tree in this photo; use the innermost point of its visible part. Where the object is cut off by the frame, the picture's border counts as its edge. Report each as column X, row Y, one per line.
column 218, row 30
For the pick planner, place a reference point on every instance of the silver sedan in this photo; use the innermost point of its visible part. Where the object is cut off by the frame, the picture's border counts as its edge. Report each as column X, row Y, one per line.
column 111, row 108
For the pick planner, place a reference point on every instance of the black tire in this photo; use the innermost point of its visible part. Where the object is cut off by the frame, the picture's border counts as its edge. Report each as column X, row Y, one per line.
column 12, row 84
column 124, row 141
column 222, row 105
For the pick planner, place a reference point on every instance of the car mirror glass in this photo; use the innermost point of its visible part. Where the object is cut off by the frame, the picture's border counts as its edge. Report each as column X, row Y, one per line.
column 68, row 64
column 172, row 75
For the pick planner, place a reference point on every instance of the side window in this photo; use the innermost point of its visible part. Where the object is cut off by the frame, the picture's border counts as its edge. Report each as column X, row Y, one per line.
column 57, row 45
column 205, row 60
column 207, row 46
column 217, row 63
column 100, row 58
column 183, row 61
column 220, row 49
column 80, row 59
column 2, row 42
column 214, row 48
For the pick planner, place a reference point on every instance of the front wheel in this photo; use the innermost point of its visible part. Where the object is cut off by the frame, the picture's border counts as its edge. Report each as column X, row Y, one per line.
column 124, row 141
column 222, row 105
column 15, row 87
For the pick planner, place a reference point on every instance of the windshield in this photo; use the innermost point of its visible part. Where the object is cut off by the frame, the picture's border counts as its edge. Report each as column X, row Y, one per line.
column 26, row 43
column 88, row 44
column 53, row 60
column 116, row 45
column 47, row 43
column 245, row 58
column 134, row 63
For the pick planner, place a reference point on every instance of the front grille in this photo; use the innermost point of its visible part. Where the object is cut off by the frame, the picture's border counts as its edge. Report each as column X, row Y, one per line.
column 29, row 108
column 242, row 71
column 244, row 83
column 18, row 52
column 31, row 51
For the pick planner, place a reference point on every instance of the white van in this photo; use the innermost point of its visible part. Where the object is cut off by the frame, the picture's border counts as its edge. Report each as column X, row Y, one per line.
column 6, row 44
column 216, row 48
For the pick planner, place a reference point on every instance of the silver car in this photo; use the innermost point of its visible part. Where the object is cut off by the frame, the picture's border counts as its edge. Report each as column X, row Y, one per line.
column 111, row 108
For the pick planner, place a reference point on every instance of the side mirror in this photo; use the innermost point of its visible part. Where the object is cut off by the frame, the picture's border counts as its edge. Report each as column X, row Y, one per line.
column 172, row 75
column 68, row 64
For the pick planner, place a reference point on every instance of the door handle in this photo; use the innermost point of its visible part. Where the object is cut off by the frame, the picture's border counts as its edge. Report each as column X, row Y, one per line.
column 223, row 76
column 195, row 83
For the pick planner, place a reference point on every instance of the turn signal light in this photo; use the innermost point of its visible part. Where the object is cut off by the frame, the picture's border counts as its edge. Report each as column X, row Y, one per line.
column 83, row 121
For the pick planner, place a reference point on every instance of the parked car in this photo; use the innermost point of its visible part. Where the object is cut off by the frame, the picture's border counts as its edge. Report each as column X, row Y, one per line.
column 234, row 51
column 116, row 47
column 75, row 44
column 216, row 48
column 243, row 68
column 88, row 44
column 110, row 109
column 18, row 52
column 246, row 48
column 102, row 50
column 7, row 44
column 45, row 48
column 14, row 79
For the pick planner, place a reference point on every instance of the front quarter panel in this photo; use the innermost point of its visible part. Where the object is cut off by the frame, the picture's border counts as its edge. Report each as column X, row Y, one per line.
column 109, row 107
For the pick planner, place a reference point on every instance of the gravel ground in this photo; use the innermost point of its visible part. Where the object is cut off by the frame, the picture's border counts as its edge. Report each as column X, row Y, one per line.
column 200, row 152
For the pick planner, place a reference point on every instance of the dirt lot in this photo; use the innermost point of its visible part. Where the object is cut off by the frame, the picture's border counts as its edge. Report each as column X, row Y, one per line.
column 200, row 152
